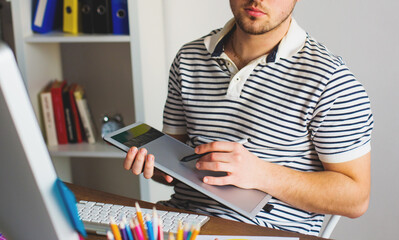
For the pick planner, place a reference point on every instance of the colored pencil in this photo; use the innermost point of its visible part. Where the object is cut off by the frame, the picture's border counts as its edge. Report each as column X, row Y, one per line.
column 190, row 233
column 150, row 229
column 195, row 232
column 160, row 229
column 155, row 222
column 122, row 229
column 171, row 236
column 110, row 236
column 115, row 229
column 179, row 231
column 141, row 220
column 127, row 229
column 186, row 231
column 137, row 229
column 132, row 229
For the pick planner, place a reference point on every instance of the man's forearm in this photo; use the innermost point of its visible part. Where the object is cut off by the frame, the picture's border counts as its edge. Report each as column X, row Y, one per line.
column 344, row 193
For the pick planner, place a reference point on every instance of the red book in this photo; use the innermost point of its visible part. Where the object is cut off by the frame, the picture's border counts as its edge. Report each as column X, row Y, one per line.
column 59, row 114
column 75, row 114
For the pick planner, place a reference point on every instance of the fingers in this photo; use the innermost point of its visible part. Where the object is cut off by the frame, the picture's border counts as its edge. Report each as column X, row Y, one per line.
column 214, row 166
column 149, row 166
column 218, row 181
column 131, row 154
column 168, row 178
column 162, row 177
column 217, row 157
column 139, row 162
column 217, row 147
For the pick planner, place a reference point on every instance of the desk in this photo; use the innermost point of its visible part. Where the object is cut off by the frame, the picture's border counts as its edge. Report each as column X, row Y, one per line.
column 215, row 226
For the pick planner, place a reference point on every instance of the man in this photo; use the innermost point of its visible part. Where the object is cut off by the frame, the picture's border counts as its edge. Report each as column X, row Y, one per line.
column 262, row 77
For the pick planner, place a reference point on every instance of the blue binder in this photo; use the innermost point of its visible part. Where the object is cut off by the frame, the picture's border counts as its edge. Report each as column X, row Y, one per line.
column 120, row 19
column 46, row 15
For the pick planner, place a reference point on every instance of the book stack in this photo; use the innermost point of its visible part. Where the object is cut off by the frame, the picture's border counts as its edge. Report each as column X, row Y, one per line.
column 66, row 115
column 81, row 16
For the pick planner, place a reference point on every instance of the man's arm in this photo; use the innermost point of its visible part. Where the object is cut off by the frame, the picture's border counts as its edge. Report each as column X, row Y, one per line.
column 342, row 188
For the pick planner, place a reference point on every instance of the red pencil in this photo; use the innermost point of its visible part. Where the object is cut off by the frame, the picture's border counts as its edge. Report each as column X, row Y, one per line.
column 160, row 229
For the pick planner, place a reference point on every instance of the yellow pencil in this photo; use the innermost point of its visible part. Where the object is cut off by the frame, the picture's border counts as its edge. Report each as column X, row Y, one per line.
column 179, row 231
column 115, row 229
column 171, row 236
column 141, row 220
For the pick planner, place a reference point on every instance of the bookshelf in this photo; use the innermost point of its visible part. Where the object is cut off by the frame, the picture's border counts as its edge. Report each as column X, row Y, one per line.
column 118, row 72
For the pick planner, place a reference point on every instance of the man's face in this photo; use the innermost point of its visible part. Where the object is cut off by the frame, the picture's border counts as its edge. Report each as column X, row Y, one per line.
column 261, row 16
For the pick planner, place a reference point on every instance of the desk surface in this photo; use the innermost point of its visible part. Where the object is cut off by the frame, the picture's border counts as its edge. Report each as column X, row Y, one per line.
column 215, row 226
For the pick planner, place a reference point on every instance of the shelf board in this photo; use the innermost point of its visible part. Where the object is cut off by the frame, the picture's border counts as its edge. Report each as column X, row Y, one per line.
column 60, row 37
column 96, row 150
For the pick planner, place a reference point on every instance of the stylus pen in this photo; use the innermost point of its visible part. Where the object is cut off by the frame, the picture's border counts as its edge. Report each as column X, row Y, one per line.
column 195, row 156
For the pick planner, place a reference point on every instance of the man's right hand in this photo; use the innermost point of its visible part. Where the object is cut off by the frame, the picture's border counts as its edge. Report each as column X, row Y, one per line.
column 139, row 161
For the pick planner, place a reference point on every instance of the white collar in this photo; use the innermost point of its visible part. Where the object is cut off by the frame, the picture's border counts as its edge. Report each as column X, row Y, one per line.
column 292, row 42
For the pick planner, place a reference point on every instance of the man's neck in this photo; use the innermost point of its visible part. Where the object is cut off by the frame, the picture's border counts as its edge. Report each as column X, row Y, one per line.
column 242, row 47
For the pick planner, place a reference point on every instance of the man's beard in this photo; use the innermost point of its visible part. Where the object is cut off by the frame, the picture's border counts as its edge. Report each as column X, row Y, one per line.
column 267, row 27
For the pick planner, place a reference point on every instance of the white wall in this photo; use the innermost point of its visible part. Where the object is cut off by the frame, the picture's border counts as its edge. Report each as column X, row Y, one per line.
column 187, row 20
column 365, row 34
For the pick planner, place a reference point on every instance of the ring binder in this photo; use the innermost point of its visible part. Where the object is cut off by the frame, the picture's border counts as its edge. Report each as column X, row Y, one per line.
column 102, row 16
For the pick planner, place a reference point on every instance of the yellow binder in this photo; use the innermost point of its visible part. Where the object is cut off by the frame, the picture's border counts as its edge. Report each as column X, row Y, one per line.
column 71, row 16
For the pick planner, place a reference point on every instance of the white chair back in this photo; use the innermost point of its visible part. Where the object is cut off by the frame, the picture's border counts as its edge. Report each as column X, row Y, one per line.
column 329, row 226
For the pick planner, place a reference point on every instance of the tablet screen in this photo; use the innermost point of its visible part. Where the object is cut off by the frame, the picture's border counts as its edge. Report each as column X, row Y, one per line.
column 137, row 136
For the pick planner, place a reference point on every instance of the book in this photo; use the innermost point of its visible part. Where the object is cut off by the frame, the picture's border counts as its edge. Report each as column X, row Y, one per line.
column 48, row 115
column 85, row 115
column 69, row 121
column 75, row 115
column 59, row 113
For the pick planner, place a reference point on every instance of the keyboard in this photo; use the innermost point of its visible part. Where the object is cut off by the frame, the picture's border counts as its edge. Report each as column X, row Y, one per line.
column 96, row 216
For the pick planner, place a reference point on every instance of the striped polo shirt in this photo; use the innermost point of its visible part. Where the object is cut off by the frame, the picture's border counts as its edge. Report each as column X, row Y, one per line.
column 299, row 105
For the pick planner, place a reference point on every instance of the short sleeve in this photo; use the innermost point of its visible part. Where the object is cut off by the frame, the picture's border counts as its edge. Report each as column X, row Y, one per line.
column 174, row 121
column 342, row 121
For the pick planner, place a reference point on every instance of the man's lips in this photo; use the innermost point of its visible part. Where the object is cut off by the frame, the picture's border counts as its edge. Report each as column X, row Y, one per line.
column 255, row 12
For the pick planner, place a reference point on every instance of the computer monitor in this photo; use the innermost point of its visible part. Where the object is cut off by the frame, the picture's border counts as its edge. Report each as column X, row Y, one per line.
column 29, row 207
